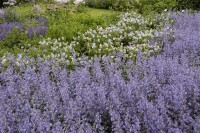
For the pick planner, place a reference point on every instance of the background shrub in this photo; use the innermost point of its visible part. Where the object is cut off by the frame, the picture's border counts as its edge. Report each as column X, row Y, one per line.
column 121, row 5
column 10, row 15
column 1, row 3
column 13, row 39
column 81, row 8
column 148, row 6
column 66, row 24
column 106, row 4
column 189, row 4
column 7, row 28
column 24, row 1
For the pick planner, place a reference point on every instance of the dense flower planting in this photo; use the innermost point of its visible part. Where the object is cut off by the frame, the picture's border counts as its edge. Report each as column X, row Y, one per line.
column 131, row 34
column 160, row 93
column 40, row 28
column 9, row 3
column 7, row 28
column 65, row 1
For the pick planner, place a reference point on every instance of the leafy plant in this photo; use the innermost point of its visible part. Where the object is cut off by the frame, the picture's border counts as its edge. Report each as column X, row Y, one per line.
column 189, row 4
column 14, row 38
column 10, row 15
column 121, row 5
column 81, row 8
column 147, row 6
column 6, row 28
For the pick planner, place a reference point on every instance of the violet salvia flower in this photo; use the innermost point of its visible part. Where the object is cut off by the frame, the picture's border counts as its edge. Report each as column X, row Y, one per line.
column 41, row 21
column 7, row 28
column 39, row 30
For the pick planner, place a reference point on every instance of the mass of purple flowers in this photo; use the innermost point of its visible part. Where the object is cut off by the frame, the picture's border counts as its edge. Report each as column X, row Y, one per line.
column 41, row 29
column 152, row 95
column 7, row 27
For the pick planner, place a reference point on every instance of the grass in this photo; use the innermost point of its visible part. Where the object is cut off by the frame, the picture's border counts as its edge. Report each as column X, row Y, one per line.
column 25, row 10
column 100, row 12
column 64, row 21
column 72, row 23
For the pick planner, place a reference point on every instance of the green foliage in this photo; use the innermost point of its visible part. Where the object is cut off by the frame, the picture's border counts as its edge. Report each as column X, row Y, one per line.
column 10, row 15
column 147, row 6
column 13, row 39
column 70, row 2
column 35, row 1
column 65, row 23
column 189, row 4
column 60, row 22
column 21, row 1
column 120, row 5
column 1, row 3
column 81, row 8
column 114, row 38
column 104, row 4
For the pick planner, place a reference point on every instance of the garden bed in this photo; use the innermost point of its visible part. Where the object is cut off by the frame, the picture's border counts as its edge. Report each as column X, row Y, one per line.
column 79, row 69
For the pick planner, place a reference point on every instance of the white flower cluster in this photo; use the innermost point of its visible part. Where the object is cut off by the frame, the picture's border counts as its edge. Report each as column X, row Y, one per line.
column 2, row 13
column 10, row 3
column 65, row 1
column 57, row 48
column 61, row 1
column 132, row 33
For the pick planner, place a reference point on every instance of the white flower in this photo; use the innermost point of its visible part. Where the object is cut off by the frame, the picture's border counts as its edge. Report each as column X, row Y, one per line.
column 93, row 45
column 106, row 44
column 3, row 61
column 17, row 63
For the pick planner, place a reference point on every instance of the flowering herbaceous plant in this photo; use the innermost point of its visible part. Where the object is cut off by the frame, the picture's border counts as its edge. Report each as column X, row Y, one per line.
column 138, row 75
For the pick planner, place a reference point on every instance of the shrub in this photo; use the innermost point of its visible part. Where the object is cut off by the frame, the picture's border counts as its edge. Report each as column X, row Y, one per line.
column 121, row 5
column 189, row 4
column 39, row 31
column 131, row 34
column 10, row 15
column 7, row 28
column 13, row 39
column 148, row 6
column 1, row 15
column 12, row 34
column 9, row 3
column 69, row 24
column 106, row 4
column 81, row 8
